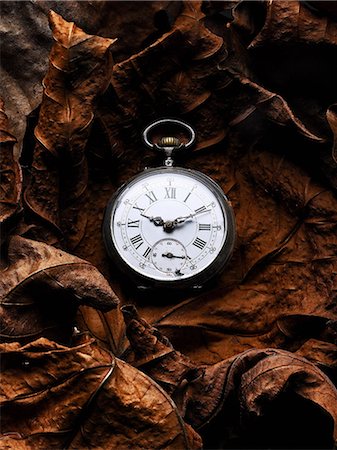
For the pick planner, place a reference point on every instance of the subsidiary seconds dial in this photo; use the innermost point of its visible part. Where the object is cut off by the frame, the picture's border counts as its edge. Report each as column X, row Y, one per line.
column 170, row 227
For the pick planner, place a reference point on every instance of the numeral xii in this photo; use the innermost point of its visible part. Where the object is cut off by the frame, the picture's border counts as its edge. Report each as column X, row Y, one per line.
column 170, row 192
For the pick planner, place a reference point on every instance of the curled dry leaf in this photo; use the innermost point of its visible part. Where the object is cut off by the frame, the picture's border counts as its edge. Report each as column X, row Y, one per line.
column 332, row 119
column 79, row 71
column 11, row 178
column 290, row 36
column 54, row 396
column 284, row 20
column 323, row 354
column 270, row 104
column 240, row 396
column 152, row 353
column 41, row 289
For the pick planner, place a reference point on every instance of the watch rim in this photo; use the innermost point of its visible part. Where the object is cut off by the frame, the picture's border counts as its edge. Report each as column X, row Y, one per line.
column 196, row 281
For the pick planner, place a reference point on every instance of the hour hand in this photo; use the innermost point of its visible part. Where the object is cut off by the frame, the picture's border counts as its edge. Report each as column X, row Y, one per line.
column 158, row 221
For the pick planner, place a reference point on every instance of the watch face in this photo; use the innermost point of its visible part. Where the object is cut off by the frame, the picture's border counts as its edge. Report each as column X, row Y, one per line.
column 170, row 225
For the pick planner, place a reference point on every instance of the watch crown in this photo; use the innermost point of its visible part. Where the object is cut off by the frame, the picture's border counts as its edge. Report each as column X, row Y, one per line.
column 169, row 141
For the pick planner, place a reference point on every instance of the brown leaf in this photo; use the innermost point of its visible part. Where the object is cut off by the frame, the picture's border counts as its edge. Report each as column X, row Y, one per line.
column 272, row 105
column 54, row 396
column 79, row 71
column 42, row 287
column 288, row 19
column 108, row 328
column 244, row 390
column 323, row 354
column 11, row 177
column 331, row 116
column 291, row 49
column 152, row 353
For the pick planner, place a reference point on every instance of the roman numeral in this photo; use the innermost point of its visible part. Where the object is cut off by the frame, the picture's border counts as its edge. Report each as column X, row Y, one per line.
column 151, row 196
column 204, row 226
column 135, row 224
column 170, row 192
column 136, row 240
column 199, row 210
column 137, row 207
column 147, row 252
column 199, row 243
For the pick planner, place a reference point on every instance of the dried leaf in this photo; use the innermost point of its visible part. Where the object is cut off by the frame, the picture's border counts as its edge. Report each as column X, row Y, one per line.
column 244, row 390
column 54, row 396
column 41, row 289
column 78, row 73
column 323, row 354
column 108, row 328
column 288, row 19
column 152, row 353
column 331, row 116
column 272, row 105
column 11, row 178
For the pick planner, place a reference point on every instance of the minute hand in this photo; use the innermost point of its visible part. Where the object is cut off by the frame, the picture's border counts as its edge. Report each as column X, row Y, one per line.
column 183, row 219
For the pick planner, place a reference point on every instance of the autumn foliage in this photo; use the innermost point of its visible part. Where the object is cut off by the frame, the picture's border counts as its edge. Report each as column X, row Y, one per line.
column 249, row 362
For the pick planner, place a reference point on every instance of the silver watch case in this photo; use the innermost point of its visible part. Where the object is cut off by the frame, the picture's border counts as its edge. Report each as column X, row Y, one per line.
column 194, row 282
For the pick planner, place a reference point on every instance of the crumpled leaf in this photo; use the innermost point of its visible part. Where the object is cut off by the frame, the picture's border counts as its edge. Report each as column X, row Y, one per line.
column 79, row 71
column 83, row 397
column 243, row 395
column 332, row 119
column 24, row 31
column 323, row 354
column 153, row 353
column 11, row 177
column 272, row 105
column 288, row 37
column 285, row 20
column 41, row 289
column 107, row 327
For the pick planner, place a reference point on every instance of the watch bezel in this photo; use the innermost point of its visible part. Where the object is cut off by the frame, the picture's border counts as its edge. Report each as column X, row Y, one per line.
column 195, row 281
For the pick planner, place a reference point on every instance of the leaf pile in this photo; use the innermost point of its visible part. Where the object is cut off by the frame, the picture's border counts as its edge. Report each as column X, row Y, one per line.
column 11, row 177
column 80, row 397
column 241, row 361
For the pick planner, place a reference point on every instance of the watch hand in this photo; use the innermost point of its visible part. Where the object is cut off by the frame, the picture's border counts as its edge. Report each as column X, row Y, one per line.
column 170, row 255
column 158, row 221
column 182, row 219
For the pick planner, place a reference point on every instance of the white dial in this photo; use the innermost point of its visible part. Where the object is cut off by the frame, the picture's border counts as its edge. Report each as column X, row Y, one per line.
column 168, row 224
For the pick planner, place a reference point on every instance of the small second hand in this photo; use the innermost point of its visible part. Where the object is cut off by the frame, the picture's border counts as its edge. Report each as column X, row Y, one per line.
column 170, row 255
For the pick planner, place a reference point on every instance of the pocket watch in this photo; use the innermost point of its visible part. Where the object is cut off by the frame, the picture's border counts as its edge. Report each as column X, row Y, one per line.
column 169, row 227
